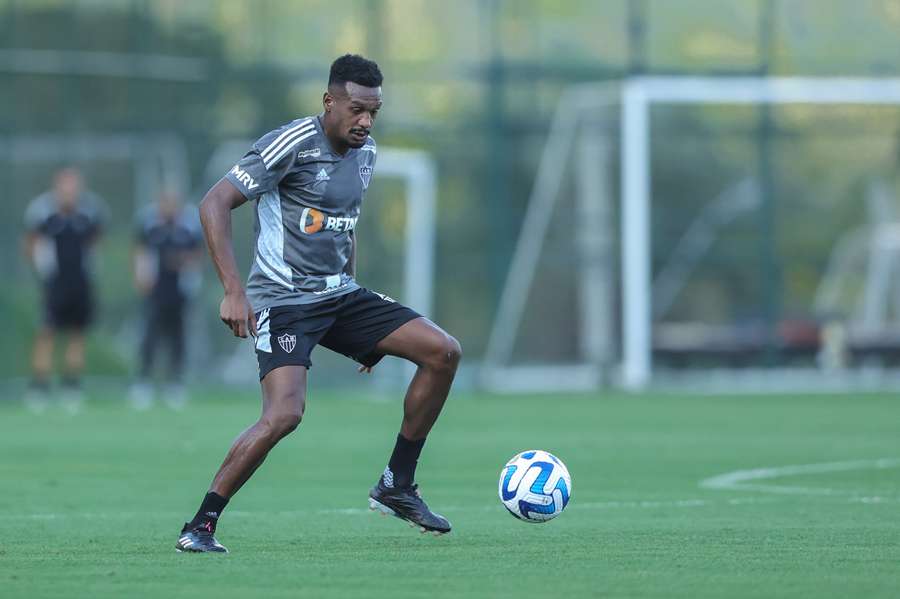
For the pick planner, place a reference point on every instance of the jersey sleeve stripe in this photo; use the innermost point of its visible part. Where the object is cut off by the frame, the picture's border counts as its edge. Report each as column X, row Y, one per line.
column 293, row 142
column 268, row 159
column 272, row 147
column 281, row 136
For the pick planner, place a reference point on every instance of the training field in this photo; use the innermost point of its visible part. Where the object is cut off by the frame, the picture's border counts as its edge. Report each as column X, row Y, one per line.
column 91, row 504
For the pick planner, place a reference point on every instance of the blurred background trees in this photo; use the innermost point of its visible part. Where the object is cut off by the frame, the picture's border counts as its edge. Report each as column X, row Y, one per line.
column 472, row 82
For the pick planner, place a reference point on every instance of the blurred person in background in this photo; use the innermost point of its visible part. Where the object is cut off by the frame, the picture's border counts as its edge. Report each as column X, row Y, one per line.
column 62, row 227
column 166, row 273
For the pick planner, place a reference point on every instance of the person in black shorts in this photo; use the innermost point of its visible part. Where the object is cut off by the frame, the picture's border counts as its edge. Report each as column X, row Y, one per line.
column 62, row 226
column 306, row 181
column 166, row 257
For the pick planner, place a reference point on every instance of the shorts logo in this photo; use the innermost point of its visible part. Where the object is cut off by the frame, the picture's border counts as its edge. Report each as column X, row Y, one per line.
column 287, row 342
column 365, row 173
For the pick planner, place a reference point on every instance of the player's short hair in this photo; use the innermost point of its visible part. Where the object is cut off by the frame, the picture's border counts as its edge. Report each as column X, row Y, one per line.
column 355, row 68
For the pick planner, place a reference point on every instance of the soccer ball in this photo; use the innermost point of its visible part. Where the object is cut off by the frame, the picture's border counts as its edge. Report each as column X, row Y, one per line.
column 535, row 486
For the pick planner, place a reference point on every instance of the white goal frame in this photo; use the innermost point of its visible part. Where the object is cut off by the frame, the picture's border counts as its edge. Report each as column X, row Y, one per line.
column 639, row 94
column 628, row 103
column 416, row 169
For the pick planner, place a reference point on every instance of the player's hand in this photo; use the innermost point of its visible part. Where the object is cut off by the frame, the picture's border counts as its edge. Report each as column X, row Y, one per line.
column 366, row 369
column 236, row 313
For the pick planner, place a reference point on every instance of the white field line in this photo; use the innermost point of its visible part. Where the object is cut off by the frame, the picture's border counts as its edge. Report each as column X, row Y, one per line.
column 738, row 480
column 597, row 505
column 745, row 480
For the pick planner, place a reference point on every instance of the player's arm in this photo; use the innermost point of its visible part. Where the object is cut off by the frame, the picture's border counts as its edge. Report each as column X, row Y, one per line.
column 259, row 171
column 40, row 253
column 215, row 216
column 35, row 246
column 143, row 268
column 99, row 215
column 29, row 243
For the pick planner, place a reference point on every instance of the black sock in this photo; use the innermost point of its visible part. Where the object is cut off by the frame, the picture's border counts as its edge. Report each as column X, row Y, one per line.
column 401, row 468
column 209, row 511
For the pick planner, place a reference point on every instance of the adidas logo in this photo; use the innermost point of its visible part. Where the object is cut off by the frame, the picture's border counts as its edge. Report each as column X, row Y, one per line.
column 322, row 176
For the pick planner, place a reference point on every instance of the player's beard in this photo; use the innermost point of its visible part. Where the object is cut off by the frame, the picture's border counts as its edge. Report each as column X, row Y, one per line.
column 355, row 141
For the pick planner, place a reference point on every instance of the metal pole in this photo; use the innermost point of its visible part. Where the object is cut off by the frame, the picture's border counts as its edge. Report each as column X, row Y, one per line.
column 635, row 212
column 497, row 200
column 8, row 178
column 636, row 349
column 637, row 38
column 594, row 242
column 770, row 268
column 375, row 30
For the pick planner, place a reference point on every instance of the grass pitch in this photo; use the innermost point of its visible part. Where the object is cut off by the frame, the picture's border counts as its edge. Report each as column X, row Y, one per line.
column 90, row 505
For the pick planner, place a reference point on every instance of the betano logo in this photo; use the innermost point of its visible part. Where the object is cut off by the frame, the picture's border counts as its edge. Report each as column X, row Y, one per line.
column 313, row 221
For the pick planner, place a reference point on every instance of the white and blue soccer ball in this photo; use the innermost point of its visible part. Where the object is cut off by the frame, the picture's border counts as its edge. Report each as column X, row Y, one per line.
column 535, row 486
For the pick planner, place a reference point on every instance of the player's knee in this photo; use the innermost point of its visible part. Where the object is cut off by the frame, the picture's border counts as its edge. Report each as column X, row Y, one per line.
column 283, row 423
column 446, row 355
column 454, row 351
column 290, row 421
column 286, row 417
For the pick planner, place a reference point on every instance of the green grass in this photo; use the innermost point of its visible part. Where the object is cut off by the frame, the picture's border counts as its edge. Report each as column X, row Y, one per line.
column 90, row 505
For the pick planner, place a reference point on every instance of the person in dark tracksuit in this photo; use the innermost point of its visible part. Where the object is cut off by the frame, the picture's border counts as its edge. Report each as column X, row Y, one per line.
column 62, row 226
column 166, row 259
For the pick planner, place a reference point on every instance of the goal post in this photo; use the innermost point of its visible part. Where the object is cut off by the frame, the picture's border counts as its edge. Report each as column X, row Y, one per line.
column 415, row 168
column 579, row 135
column 638, row 96
column 595, row 126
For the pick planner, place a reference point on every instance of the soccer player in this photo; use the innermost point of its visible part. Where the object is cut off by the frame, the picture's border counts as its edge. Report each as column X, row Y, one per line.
column 167, row 253
column 307, row 180
column 62, row 225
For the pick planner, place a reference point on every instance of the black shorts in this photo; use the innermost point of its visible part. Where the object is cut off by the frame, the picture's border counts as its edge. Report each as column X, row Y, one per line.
column 68, row 306
column 351, row 324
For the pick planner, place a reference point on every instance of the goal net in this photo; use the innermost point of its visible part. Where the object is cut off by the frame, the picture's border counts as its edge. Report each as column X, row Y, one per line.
column 731, row 228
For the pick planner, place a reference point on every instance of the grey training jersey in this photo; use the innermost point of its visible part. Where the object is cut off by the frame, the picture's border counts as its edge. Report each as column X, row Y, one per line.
column 307, row 202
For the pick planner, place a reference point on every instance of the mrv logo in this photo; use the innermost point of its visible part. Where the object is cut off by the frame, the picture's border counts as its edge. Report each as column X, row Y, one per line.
column 243, row 178
column 313, row 221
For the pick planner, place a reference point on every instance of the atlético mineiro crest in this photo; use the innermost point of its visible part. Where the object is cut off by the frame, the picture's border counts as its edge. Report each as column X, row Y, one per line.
column 287, row 342
column 365, row 173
